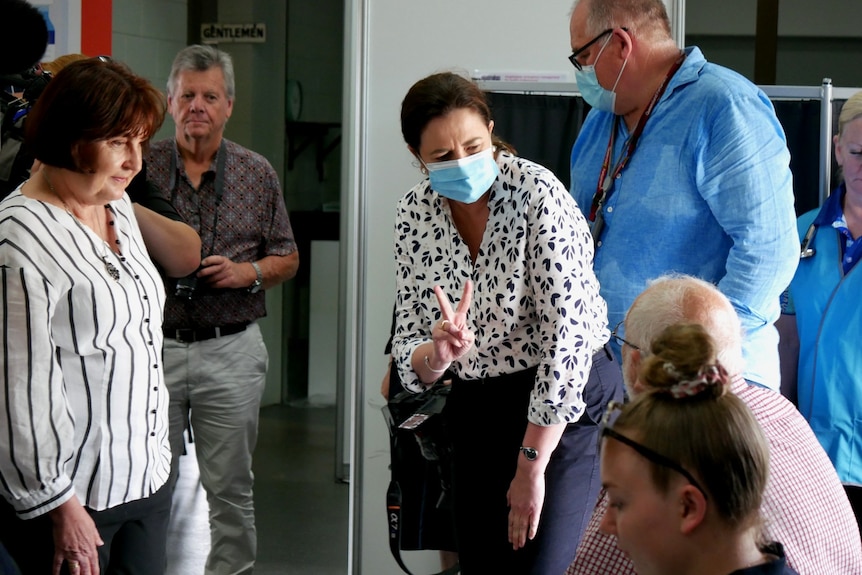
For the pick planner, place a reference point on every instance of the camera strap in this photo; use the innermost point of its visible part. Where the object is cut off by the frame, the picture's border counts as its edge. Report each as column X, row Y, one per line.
column 221, row 159
column 393, row 513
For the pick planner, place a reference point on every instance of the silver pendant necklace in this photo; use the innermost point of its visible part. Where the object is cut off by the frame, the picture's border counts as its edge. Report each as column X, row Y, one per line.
column 110, row 268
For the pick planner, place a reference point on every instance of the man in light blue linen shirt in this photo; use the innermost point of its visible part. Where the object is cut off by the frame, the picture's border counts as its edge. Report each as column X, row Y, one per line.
column 695, row 166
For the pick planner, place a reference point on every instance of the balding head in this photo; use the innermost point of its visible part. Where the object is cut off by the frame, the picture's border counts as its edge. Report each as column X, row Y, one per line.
column 673, row 299
column 647, row 19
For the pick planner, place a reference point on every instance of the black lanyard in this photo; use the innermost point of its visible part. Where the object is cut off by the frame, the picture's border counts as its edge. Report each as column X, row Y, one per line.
column 606, row 176
column 218, row 184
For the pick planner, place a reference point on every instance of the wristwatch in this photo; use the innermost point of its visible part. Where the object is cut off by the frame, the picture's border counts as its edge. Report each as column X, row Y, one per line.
column 258, row 282
column 530, row 453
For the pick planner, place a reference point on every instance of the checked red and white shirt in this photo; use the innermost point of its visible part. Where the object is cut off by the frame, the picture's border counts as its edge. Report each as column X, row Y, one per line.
column 804, row 506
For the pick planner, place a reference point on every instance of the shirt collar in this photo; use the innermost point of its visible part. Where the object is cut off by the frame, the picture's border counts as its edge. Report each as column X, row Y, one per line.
column 831, row 210
column 181, row 166
column 498, row 191
column 689, row 71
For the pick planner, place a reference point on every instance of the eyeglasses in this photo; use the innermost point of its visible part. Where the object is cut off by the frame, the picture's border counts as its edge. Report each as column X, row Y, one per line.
column 619, row 339
column 611, row 414
column 573, row 58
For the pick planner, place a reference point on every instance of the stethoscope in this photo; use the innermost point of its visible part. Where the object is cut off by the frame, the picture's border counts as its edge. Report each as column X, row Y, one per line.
column 806, row 251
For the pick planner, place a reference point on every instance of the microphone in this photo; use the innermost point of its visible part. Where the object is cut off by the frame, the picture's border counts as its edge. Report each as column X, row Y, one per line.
column 23, row 36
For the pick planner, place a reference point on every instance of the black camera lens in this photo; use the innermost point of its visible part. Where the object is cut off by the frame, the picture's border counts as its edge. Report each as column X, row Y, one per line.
column 186, row 287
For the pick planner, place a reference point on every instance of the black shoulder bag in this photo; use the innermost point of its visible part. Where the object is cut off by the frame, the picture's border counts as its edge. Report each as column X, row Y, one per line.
column 418, row 501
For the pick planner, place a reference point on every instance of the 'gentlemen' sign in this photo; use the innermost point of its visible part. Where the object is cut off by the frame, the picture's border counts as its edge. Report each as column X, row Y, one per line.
column 216, row 33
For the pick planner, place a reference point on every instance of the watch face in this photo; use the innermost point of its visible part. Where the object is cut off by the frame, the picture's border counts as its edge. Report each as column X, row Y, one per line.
column 530, row 453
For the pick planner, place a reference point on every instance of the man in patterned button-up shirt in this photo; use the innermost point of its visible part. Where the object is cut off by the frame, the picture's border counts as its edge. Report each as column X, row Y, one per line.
column 215, row 358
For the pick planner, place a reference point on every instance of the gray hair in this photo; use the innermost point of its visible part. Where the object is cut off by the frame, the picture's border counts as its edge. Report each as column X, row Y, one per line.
column 673, row 299
column 200, row 58
column 645, row 17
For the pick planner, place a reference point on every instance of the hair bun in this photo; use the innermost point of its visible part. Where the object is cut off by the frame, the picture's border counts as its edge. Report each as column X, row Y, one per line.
column 683, row 363
column 708, row 376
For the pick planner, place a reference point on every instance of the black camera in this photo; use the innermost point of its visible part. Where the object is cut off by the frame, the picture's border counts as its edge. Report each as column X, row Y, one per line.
column 186, row 287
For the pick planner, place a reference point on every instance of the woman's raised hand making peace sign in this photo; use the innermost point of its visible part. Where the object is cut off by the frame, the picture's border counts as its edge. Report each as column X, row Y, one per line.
column 450, row 336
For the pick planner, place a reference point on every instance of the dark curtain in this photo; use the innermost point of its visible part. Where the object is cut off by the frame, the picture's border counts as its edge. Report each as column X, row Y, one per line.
column 836, row 109
column 801, row 122
column 542, row 128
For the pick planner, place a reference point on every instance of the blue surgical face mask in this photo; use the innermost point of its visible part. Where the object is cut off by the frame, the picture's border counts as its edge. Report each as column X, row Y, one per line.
column 592, row 91
column 466, row 179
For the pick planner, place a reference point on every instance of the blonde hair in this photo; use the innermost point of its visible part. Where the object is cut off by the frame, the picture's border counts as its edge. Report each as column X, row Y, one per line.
column 709, row 431
column 851, row 110
column 61, row 62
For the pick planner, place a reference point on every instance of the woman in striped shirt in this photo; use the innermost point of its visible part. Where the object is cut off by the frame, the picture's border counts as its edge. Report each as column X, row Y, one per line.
column 84, row 453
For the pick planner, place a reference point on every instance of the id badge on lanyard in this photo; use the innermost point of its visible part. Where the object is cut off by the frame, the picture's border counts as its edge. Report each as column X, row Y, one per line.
column 607, row 176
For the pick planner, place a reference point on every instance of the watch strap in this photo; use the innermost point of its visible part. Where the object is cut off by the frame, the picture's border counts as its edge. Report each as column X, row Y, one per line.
column 258, row 282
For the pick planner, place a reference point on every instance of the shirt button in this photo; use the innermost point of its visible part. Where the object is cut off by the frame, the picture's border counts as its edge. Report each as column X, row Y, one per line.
column 599, row 244
column 152, row 434
column 156, row 388
column 610, row 209
column 153, row 411
column 155, row 366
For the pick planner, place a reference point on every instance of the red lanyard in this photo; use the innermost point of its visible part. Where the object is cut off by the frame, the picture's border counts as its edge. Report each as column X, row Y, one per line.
column 605, row 178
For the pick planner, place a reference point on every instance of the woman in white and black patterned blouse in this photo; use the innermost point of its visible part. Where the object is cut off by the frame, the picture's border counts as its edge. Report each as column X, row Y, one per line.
column 527, row 339
column 84, row 451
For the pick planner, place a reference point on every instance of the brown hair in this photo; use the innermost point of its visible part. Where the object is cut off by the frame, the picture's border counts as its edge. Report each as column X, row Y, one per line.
column 711, row 433
column 436, row 96
column 86, row 102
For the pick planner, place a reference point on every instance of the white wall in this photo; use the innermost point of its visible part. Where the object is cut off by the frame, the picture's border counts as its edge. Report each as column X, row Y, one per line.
column 65, row 17
column 147, row 34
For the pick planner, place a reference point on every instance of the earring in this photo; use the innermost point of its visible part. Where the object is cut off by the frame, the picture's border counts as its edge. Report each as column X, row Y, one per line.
column 420, row 166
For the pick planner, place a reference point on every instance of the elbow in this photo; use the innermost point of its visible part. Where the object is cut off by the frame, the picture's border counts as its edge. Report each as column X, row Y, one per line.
column 187, row 263
column 181, row 265
column 189, row 254
column 292, row 266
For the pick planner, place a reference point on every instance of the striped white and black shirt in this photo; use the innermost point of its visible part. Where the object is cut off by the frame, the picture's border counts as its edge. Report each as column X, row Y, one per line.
column 83, row 404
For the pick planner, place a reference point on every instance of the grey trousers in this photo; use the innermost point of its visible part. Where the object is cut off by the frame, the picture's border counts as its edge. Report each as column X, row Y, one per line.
column 217, row 385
